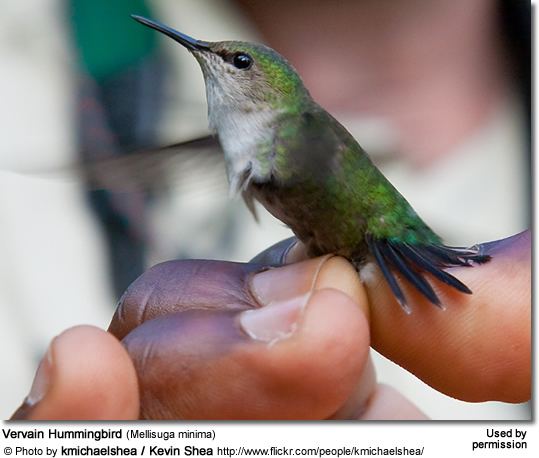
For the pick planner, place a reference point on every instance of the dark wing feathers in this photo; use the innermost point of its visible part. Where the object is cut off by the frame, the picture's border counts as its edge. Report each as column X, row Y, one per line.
column 411, row 261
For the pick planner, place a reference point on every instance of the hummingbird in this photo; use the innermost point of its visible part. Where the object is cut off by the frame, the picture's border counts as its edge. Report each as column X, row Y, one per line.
column 284, row 150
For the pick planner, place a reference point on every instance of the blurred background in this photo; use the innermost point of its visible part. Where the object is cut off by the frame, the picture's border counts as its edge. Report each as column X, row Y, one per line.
column 437, row 91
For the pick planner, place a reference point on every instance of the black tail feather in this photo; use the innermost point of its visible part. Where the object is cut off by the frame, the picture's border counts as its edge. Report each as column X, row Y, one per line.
column 443, row 257
column 426, row 264
column 454, row 256
column 390, row 278
column 411, row 261
column 415, row 278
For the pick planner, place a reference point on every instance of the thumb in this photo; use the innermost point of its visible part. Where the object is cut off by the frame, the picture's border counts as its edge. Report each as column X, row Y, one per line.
column 86, row 374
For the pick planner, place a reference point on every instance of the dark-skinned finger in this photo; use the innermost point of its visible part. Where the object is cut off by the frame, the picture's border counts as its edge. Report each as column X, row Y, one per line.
column 479, row 347
column 176, row 286
column 300, row 356
column 284, row 252
column 458, row 351
column 86, row 374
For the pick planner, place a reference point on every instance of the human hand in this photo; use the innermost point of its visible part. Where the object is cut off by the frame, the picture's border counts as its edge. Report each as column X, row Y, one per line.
column 479, row 347
column 184, row 325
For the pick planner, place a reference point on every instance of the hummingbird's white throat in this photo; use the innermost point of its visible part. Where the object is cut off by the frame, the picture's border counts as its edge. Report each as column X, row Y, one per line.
column 242, row 127
column 241, row 136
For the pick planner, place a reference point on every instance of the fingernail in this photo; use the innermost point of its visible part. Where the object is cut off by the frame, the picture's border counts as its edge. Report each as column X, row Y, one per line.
column 296, row 253
column 39, row 388
column 514, row 245
column 42, row 378
column 283, row 293
column 274, row 322
column 283, row 283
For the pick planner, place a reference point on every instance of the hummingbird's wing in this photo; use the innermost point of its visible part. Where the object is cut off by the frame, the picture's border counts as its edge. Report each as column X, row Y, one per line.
column 151, row 170
column 159, row 168
column 413, row 260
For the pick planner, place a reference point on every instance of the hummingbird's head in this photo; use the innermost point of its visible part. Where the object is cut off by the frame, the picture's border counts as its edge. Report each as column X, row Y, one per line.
column 247, row 86
column 240, row 76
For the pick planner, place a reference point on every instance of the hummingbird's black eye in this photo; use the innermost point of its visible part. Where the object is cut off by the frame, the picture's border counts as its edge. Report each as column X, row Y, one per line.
column 242, row 61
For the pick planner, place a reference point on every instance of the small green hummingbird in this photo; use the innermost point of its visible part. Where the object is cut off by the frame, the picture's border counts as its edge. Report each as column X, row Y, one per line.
column 284, row 150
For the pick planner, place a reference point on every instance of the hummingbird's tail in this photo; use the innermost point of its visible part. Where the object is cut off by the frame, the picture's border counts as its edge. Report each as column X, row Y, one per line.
column 411, row 261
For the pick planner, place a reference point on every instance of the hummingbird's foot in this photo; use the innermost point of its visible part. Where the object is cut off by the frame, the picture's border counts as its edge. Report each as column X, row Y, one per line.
column 411, row 261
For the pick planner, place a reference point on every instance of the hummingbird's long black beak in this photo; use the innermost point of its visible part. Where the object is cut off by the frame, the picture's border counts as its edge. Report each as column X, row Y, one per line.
column 185, row 40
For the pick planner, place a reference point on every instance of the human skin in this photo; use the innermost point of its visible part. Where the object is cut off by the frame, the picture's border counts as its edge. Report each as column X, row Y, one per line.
column 219, row 340
column 434, row 71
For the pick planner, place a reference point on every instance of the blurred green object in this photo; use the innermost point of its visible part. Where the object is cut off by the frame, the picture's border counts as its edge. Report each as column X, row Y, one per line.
column 119, row 105
column 106, row 37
